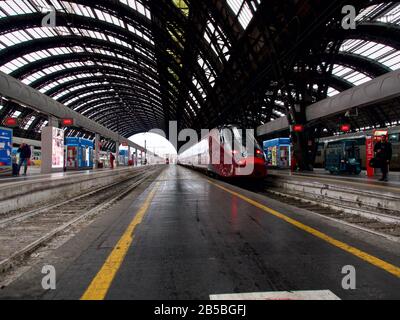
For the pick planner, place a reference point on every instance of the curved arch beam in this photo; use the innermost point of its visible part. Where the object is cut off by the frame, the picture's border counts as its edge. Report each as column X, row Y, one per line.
column 388, row 34
column 126, row 74
column 33, row 20
column 78, row 104
column 109, row 118
column 81, row 104
column 65, row 86
column 339, row 84
column 38, row 65
column 69, row 85
column 94, row 105
column 85, row 90
column 102, row 106
column 10, row 53
column 362, row 64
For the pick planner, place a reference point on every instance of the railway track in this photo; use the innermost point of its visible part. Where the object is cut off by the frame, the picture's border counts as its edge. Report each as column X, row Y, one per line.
column 22, row 233
column 381, row 224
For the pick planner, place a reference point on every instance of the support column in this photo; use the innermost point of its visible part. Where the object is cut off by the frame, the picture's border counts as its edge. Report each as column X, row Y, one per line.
column 303, row 142
column 97, row 151
column 117, row 146
column 53, row 151
column 53, row 122
column 136, row 158
column 129, row 155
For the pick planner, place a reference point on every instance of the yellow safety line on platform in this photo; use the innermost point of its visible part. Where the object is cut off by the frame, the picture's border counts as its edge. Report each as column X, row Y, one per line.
column 356, row 252
column 100, row 285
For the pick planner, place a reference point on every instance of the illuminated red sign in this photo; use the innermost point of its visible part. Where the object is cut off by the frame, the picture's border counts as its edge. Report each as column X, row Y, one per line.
column 67, row 122
column 380, row 133
column 345, row 127
column 11, row 122
column 298, row 128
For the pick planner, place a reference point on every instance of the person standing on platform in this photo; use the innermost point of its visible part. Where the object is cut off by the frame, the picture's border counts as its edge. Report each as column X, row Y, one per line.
column 112, row 159
column 24, row 156
column 383, row 153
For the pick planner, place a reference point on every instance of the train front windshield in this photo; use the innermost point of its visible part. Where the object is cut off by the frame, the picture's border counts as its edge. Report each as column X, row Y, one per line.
column 246, row 140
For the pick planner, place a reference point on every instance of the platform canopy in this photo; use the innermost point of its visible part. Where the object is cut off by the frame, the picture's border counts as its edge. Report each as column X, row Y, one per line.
column 134, row 65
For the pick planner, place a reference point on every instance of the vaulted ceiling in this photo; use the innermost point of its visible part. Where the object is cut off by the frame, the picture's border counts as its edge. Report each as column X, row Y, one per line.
column 134, row 65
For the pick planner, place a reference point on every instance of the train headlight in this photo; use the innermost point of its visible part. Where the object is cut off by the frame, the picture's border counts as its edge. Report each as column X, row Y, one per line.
column 259, row 153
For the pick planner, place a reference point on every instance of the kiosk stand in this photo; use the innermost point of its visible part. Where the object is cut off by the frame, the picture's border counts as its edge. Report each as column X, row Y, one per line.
column 6, row 145
column 79, row 154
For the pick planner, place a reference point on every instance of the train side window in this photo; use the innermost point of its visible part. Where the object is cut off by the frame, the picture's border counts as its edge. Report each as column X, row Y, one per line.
column 394, row 137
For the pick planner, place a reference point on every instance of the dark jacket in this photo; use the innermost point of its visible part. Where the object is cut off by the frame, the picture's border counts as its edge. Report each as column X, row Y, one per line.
column 383, row 150
column 25, row 152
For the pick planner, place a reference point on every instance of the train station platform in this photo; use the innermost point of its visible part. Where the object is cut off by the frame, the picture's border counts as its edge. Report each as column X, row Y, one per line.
column 35, row 188
column 190, row 237
column 351, row 193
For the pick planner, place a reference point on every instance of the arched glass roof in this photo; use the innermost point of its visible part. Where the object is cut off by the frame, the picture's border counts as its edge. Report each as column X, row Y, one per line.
column 133, row 65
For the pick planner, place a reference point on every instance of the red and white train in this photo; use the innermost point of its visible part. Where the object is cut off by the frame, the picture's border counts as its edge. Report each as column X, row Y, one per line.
column 227, row 152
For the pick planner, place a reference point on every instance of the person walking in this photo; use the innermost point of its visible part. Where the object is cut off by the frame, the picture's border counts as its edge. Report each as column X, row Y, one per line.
column 112, row 159
column 383, row 153
column 24, row 156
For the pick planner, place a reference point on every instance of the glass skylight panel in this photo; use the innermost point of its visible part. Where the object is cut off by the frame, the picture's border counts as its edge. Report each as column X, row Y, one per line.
column 136, row 5
column 61, row 94
column 393, row 16
column 16, row 114
column 392, row 61
column 341, row 70
column 242, row 10
column 30, row 121
column 14, row 65
column 12, row 8
column 43, row 125
column 17, row 37
column 181, row 4
column 235, row 5
column 350, row 75
column 209, row 72
column 373, row 50
column 332, row 92
column 245, row 16
column 217, row 34
column 7, row 68
column 278, row 113
column 36, row 76
column 364, row 14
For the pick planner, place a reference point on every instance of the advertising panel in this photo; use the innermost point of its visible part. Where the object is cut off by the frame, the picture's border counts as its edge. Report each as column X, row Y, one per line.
column 58, row 149
column 5, row 148
column 370, row 154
